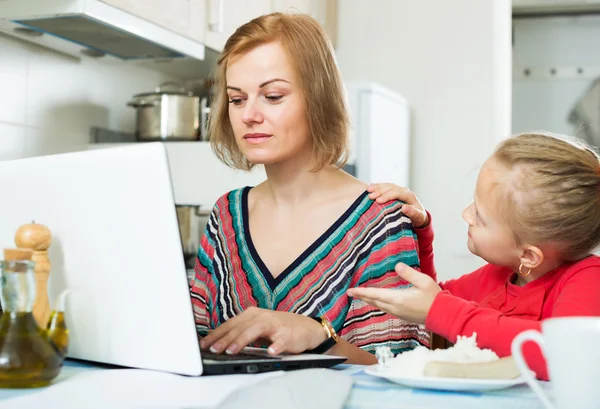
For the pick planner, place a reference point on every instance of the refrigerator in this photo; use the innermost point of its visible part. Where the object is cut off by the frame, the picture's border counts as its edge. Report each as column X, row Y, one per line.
column 380, row 134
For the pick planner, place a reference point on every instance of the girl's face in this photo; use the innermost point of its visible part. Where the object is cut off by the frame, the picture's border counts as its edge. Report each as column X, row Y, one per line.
column 266, row 106
column 490, row 237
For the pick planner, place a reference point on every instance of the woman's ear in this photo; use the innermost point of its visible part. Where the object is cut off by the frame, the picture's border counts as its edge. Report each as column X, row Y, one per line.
column 531, row 256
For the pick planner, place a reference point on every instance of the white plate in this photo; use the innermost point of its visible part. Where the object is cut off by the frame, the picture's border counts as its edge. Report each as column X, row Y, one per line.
column 446, row 384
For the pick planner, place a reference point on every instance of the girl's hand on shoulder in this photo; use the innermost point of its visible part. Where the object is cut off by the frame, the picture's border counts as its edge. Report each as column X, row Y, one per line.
column 385, row 192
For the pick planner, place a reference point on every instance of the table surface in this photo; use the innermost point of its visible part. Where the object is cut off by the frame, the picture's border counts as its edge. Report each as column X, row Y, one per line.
column 373, row 392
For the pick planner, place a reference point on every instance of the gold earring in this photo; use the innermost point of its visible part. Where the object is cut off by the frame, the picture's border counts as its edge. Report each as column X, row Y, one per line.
column 522, row 273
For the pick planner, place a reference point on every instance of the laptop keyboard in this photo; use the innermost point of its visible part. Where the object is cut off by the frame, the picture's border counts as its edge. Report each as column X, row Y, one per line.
column 242, row 356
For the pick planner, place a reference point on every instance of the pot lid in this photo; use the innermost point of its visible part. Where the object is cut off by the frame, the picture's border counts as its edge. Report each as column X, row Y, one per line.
column 166, row 88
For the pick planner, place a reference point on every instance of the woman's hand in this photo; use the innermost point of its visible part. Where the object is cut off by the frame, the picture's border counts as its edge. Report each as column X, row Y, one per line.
column 411, row 304
column 282, row 331
column 384, row 192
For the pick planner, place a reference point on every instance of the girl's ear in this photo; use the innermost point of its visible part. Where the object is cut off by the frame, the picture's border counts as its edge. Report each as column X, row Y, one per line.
column 531, row 256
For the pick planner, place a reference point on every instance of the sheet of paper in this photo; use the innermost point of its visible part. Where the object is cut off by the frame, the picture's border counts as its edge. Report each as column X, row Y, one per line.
column 135, row 388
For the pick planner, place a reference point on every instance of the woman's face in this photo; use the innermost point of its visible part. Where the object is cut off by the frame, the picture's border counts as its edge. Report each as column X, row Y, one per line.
column 266, row 106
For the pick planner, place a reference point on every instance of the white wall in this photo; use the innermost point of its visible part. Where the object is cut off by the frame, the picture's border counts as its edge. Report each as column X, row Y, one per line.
column 451, row 60
column 542, row 100
column 49, row 102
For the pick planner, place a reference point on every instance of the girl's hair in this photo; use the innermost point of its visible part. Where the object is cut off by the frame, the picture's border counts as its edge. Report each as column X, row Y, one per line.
column 311, row 55
column 554, row 196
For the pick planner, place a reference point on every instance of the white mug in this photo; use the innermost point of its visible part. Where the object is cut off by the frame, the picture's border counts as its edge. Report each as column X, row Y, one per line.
column 571, row 346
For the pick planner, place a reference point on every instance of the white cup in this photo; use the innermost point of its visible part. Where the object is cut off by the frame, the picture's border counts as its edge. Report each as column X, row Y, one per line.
column 571, row 346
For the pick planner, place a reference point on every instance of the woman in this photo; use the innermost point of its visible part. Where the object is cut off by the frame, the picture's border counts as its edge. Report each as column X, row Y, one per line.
column 276, row 260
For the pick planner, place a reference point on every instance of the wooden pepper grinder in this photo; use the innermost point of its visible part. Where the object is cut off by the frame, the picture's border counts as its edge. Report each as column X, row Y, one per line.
column 38, row 238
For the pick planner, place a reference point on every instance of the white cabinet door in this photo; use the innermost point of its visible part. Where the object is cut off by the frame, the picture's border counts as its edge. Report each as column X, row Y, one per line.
column 173, row 15
column 225, row 16
column 295, row 6
column 198, row 19
column 324, row 11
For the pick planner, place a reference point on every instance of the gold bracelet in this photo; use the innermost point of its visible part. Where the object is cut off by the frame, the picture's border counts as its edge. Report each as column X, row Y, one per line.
column 329, row 330
column 332, row 336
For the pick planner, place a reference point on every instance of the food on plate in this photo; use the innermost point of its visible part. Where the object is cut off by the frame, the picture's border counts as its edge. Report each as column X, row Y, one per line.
column 503, row 368
column 463, row 360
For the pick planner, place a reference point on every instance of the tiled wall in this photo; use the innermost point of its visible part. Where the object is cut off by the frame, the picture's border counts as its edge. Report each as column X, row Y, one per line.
column 49, row 101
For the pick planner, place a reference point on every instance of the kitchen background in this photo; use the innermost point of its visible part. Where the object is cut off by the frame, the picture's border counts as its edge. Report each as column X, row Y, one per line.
column 452, row 61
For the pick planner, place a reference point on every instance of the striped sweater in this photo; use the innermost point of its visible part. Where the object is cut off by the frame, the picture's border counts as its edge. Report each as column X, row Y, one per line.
column 360, row 249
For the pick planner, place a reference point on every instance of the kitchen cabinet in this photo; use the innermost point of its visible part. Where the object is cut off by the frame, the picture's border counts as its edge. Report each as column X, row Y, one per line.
column 223, row 17
column 314, row 8
column 324, row 11
column 175, row 15
column 211, row 22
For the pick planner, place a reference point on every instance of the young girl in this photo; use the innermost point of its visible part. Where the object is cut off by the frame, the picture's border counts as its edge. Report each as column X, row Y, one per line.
column 536, row 220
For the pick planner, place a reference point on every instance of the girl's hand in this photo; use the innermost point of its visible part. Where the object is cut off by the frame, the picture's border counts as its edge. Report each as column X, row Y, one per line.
column 411, row 304
column 281, row 331
column 384, row 192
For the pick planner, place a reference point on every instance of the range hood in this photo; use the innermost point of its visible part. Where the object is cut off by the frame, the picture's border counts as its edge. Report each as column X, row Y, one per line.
column 95, row 29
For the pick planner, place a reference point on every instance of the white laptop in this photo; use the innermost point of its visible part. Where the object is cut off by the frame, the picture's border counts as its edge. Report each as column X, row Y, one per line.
column 116, row 247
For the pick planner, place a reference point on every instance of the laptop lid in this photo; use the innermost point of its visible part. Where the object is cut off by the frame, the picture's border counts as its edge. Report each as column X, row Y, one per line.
column 116, row 247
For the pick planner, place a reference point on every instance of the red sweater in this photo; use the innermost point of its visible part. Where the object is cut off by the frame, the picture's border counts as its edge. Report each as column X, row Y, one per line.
column 486, row 302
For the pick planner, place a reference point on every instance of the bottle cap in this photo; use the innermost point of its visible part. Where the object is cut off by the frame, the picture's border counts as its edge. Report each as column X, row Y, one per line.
column 17, row 254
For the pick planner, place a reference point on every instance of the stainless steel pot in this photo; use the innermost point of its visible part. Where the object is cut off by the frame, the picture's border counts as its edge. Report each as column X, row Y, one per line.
column 168, row 113
column 192, row 221
column 203, row 89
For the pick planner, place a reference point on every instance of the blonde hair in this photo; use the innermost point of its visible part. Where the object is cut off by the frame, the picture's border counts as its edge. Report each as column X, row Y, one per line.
column 554, row 196
column 311, row 55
